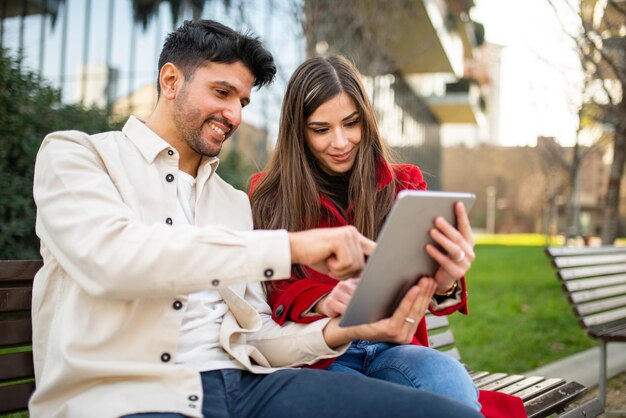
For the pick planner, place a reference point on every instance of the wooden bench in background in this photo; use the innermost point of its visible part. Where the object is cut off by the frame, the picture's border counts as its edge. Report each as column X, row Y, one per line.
column 594, row 280
column 542, row 397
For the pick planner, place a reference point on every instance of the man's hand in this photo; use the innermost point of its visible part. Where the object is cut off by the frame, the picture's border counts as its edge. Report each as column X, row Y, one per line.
column 339, row 252
column 398, row 328
column 335, row 303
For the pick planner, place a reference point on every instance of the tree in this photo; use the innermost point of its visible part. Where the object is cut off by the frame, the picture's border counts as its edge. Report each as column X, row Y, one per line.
column 29, row 109
column 144, row 10
column 601, row 47
column 566, row 168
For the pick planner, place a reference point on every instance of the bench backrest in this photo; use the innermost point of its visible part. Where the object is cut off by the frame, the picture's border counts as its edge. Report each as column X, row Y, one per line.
column 16, row 361
column 440, row 335
column 594, row 279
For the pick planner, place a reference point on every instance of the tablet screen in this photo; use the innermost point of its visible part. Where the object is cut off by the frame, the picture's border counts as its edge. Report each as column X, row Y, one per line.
column 400, row 257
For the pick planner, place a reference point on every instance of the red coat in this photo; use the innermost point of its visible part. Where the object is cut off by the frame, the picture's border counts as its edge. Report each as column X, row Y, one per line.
column 290, row 299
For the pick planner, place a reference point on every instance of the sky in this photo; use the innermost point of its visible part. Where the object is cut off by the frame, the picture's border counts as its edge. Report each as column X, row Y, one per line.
column 540, row 71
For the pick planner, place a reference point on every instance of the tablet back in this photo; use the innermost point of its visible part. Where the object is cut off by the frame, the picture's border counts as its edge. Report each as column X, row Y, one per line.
column 400, row 257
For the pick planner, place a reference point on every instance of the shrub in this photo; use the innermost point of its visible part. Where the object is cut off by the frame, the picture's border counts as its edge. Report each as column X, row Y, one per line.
column 29, row 109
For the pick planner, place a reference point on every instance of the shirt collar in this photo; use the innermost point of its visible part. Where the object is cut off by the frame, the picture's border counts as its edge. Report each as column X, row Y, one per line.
column 150, row 145
column 207, row 168
column 145, row 139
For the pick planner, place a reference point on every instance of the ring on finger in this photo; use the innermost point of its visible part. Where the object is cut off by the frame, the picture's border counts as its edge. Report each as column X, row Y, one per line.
column 409, row 320
column 460, row 258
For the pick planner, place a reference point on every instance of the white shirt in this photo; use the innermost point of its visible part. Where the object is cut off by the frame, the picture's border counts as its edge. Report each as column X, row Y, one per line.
column 198, row 343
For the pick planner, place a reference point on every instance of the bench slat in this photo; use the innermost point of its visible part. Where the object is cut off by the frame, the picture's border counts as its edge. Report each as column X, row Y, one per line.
column 15, row 397
column 522, row 384
column 483, row 381
column 16, row 365
column 580, row 272
column 593, row 294
column 19, row 270
column 589, row 260
column 453, row 352
column 436, row 322
column 603, row 305
column 441, row 340
column 590, row 408
column 604, row 318
column 539, row 388
column 555, row 400
column 593, row 282
column 501, row 383
column 15, row 299
column 566, row 251
column 16, row 332
column 478, row 375
column 610, row 332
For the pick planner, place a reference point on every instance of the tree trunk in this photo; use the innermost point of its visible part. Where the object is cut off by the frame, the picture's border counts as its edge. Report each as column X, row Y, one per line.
column 610, row 221
column 572, row 210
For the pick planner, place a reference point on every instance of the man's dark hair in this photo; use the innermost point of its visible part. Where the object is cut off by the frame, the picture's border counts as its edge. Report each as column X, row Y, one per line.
column 196, row 42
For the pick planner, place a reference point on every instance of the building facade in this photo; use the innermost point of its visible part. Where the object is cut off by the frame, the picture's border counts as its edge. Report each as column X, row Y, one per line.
column 411, row 53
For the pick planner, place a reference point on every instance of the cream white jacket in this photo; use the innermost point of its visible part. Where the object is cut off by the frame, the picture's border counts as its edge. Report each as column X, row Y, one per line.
column 109, row 300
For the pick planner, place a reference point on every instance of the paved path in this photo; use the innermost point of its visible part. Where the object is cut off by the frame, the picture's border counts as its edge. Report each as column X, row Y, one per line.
column 584, row 368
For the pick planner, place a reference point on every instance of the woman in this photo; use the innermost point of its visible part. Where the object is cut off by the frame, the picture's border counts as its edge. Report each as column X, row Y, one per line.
column 330, row 168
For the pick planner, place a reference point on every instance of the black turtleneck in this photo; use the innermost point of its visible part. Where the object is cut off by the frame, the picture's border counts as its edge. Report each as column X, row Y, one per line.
column 337, row 186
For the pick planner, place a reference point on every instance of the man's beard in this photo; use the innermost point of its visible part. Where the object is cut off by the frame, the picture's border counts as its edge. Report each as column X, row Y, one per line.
column 192, row 135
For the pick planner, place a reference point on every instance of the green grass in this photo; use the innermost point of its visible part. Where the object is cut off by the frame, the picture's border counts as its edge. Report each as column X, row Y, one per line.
column 519, row 317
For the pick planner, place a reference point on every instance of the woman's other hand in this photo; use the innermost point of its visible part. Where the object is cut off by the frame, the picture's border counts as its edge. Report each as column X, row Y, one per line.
column 335, row 303
column 458, row 249
column 399, row 328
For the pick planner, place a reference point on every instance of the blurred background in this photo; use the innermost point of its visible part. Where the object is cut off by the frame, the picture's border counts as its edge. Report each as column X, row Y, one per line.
column 520, row 102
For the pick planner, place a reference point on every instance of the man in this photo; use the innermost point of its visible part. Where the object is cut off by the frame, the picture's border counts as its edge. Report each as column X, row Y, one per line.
column 149, row 300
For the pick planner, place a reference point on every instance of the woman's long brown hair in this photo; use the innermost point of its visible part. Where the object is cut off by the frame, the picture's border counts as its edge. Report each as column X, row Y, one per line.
column 287, row 196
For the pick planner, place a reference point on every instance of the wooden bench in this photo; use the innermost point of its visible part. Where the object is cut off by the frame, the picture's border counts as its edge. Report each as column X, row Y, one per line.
column 17, row 377
column 594, row 280
column 542, row 397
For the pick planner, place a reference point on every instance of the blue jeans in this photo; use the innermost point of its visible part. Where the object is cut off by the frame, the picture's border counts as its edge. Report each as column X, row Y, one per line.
column 410, row 365
column 307, row 393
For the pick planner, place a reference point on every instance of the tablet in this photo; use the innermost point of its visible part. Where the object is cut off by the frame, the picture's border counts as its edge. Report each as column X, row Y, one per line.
column 400, row 258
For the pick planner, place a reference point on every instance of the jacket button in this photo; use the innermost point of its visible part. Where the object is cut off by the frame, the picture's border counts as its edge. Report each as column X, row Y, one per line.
column 170, row 152
column 177, row 305
column 169, row 221
column 165, row 357
column 215, row 282
column 279, row 310
column 192, row 398
column 169, row 178
column 268, row 273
